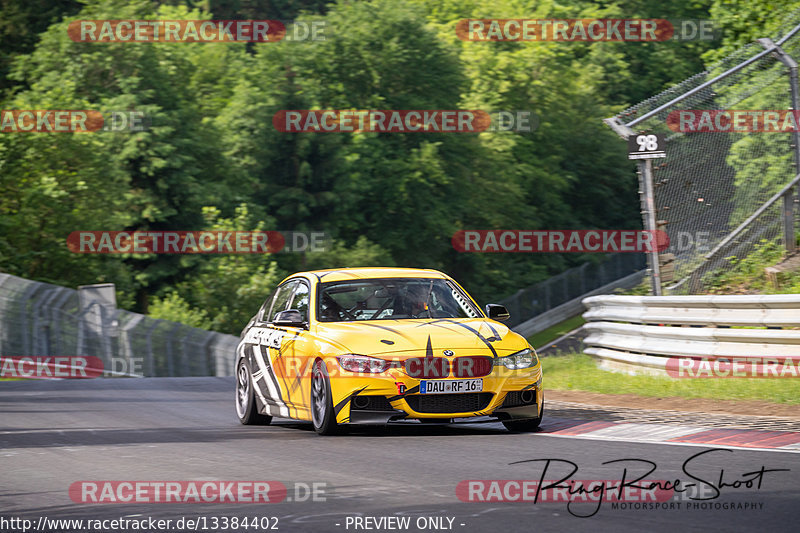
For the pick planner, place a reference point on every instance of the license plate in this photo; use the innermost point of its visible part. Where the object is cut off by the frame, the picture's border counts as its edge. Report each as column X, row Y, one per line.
column 443, row 386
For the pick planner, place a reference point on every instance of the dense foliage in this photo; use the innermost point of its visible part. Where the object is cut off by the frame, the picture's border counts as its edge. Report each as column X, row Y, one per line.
column 212, row 159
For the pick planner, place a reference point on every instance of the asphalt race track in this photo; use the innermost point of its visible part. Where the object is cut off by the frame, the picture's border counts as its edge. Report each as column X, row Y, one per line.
column 56, row 433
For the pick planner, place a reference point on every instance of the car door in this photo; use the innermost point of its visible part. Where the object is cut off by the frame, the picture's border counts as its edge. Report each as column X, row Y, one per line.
column 293, row 365
column 265, row 341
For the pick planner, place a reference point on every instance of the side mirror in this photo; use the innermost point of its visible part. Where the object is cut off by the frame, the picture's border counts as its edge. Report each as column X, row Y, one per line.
column 291, row 318
column 497, row 312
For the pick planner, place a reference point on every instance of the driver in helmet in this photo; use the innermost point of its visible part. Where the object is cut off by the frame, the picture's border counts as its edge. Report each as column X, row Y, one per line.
column 417, row 302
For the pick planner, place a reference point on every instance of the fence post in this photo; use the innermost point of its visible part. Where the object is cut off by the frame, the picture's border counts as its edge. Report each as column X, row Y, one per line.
column 185, row 364
column 105, row 339
column 56, row 318
column 41, row 326
column 582, row 276
column 126, row 344
column 788, row 202
column 547, row 296
column 170, row 348
column 27, row 334
column 151, row 360
column 209, row 358
column 3, row 279
column 649, row 216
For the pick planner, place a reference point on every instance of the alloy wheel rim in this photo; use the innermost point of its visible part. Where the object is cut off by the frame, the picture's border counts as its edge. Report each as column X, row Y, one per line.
column 242, row 391
column 318, row 397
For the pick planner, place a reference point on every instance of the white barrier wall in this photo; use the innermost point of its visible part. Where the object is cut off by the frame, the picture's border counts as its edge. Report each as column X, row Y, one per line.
column 640, row 334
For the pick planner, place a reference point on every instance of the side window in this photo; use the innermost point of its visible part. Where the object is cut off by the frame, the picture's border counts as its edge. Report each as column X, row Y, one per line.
column 280, row 301
column 300, row 300
column 263, row 312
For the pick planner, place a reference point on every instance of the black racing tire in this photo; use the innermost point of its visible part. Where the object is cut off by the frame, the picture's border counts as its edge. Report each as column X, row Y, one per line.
column 322, row 414
column 246, row 406
column 526, row 425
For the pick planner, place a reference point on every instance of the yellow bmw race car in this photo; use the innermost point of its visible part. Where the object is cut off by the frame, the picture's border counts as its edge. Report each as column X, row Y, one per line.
column 377, row 345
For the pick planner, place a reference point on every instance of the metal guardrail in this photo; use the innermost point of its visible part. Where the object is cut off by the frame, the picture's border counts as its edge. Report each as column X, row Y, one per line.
column 638, row 333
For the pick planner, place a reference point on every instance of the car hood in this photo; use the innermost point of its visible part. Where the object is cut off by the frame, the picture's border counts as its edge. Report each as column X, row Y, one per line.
column 465, row 336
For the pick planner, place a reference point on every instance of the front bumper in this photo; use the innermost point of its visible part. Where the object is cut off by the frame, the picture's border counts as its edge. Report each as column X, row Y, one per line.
column 501, row 399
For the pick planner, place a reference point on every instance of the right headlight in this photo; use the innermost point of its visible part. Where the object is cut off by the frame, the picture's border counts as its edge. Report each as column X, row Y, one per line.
column 522, row 359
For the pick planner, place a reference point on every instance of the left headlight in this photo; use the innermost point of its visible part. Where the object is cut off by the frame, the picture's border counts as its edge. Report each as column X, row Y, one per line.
column 521, row 359
column 363, row 363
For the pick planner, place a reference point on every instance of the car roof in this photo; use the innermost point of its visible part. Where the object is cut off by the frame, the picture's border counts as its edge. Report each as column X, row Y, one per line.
column 343, row 274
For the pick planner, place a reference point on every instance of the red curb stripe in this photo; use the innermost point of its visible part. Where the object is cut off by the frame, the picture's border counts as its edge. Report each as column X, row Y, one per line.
column 712, row 436
column 764, row 439
column 784, row 439
column 746, row 438
column 743, row 438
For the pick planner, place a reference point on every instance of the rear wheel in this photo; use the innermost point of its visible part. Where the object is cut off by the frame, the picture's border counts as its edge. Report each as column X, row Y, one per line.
column 524, row 426
column 246, row 406
column 322, row 414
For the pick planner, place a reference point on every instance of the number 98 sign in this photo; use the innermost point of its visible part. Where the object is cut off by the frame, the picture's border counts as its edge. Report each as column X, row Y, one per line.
column 646, row 146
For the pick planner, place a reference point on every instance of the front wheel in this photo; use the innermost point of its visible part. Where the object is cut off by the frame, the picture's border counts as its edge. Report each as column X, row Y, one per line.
column 322, row 414
column 524, row 426
column 246, row 407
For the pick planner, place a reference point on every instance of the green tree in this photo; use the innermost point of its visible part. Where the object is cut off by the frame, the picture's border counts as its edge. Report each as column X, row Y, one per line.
column 154, row 179
column 229, row 288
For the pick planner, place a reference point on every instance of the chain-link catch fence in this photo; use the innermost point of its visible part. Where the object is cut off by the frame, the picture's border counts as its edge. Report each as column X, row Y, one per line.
column 40, row 319
column 720, row 194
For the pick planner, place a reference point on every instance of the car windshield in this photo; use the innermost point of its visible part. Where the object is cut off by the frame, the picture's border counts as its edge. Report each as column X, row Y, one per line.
column 391, row 299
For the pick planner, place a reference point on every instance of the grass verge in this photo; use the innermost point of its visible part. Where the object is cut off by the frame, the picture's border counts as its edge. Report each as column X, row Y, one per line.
column 580, row 372
column 553, row 332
